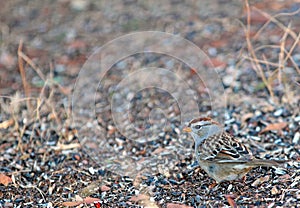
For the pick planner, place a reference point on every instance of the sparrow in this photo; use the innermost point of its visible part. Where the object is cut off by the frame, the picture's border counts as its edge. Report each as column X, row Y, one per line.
column 222, row 156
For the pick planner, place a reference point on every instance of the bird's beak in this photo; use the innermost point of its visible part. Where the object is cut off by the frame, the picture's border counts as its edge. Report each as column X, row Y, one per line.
column 187, row 129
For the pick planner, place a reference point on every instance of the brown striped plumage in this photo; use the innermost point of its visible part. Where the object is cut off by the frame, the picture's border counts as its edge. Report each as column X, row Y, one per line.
column 221, row 146
column 221, row 155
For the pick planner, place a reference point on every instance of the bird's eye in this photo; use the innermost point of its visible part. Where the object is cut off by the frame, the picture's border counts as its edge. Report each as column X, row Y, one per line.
column 197, row 127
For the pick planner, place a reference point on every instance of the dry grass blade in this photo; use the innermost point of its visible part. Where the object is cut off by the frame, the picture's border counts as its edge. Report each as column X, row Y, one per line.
column 268, row 77
column 265, row 61
column 7, row 123
column 23, row 74
column 274, row 20
column 231, row 201
column 255, row 61
column 32, row 64
column 275, row 126
column 287, row 31
column 288, row 56
column 34, row 187
column 281, row 54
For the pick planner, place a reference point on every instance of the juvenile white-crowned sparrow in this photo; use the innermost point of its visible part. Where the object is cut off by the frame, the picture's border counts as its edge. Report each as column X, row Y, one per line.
column 221, row 155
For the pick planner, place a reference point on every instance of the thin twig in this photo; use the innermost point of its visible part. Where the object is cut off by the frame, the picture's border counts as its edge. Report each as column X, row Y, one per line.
column 262, row 61
column 23, row 74
column 281, row 59
column 288, row 56
column 34, row 187
column 255, row 62
column 33, row 65
column 273, row 19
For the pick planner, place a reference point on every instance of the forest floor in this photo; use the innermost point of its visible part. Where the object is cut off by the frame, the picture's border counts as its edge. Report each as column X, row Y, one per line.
column 89, row 121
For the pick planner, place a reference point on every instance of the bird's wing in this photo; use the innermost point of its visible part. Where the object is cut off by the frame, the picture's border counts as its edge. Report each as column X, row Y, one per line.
column 224, row 148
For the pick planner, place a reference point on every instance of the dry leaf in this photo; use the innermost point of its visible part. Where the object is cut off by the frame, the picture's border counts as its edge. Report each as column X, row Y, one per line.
column 79, row 200
column 5, row 180
column 139, row 197
column 90, row 200
column 274, row 127
column 104, row 188
column 71, row 204
column 231, row 201
column 60, row 146
column 247, row 116
column 274, row 190
column 90, row 189
column 260, row 181
column 6, row 124
column 173, row 205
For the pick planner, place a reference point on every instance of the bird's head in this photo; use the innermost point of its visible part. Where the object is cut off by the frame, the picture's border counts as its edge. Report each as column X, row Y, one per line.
column 202, row 128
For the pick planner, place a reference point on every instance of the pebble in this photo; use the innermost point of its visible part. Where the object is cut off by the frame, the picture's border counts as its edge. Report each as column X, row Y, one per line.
column 161, row 134
column 232, row 120
column 198, row 198
column 280, row 142
column 130, row 96
column 296, row 138
column 227, row 80
column 172, row 181
column 92, row 170
column 280, row 171
column 274, row 190
column 255, row 138
column 212, row 51
column 79, row 5
column 258, row 113
column 296, row 58
column 101, row 172
column 278, row 112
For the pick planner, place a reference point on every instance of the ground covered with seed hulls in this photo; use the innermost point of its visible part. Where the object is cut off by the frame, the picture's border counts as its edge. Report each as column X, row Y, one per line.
column 136, row 155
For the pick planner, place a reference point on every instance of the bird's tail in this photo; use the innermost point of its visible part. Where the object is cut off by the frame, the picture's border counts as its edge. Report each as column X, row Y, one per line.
column 255, row 162
column 267, row 163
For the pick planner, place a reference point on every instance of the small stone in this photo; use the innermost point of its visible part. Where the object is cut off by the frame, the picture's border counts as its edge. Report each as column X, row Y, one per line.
column 105, row 188
column 177, row 131
column 92, row 170
column 198, row 198
column 172, row 181
column 79, row 5
column 296, row 58
column 278, row 112
column 212, row 51
column 255, row 138
column 130, row 96
column 280, row 171
column 274, row 190
column 278, row 141
column 297, row 119
column 227, row 80
column 161, row 134
column 258, row 113
column 232, row 120
column 260, row 181
column 296, row 138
